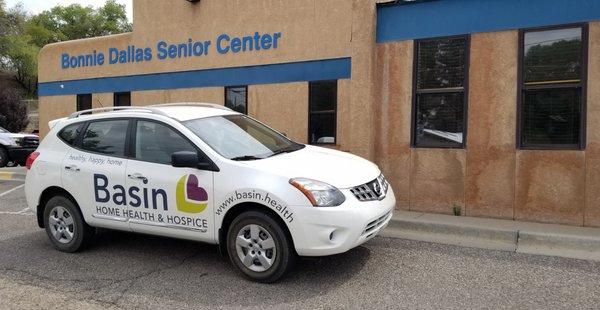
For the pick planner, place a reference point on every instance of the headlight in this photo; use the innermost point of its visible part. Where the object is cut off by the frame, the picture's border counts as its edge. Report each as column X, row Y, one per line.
column 319, row 193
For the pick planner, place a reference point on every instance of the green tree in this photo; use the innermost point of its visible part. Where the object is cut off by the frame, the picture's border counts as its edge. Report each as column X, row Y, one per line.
column 21, row 58
column 73, row 22
column 17, row 54
column 23, row 35
column 13, row 112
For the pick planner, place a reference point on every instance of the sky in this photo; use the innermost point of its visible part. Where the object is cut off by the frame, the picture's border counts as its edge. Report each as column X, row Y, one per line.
column 37, row 6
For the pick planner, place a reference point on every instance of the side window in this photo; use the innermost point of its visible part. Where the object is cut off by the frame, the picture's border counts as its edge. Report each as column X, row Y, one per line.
column 156, row 143
column 70, row 133
column 440, row 101
column 106, row 137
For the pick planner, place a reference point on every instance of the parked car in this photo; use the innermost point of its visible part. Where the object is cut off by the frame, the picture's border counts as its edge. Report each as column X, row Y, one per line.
column 205, row 173
column 16, row 147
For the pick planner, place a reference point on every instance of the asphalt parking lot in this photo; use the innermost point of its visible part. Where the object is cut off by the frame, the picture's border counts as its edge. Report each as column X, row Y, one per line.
column 123, row 270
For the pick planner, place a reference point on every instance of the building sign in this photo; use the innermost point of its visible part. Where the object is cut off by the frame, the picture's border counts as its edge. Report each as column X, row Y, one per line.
column 163, row 50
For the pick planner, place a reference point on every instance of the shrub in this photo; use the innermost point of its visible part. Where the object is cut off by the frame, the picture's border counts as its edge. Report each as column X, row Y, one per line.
column 13, row 111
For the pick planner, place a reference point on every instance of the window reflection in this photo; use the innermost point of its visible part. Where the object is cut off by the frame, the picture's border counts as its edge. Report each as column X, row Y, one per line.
column 551, row 97
column 236, row 98
column 440, row 92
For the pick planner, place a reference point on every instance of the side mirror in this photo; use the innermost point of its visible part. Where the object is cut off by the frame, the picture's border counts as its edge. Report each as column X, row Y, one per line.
column 190, row 160
column 184, row 160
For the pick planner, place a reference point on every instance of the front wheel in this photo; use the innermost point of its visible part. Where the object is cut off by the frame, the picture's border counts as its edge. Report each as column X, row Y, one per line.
column 258, row 246
column 65, row 226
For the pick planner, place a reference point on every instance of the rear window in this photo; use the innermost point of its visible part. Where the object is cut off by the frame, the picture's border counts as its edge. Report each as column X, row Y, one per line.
column 70, row 133
column 106, row 137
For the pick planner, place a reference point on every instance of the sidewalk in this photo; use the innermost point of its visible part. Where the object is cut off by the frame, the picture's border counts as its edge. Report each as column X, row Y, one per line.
column 503, row 235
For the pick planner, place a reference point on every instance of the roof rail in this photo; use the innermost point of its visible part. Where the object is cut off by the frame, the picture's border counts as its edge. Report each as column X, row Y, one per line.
column 110, row 109
column 194, row 104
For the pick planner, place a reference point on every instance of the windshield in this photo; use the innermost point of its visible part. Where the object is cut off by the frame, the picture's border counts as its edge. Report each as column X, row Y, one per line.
column 239, row 137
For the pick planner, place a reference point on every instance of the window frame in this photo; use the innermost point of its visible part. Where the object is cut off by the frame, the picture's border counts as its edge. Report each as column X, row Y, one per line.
column 416, row 92
column 334, row 112
column 78, row 144
column 82, row 125
column 521, row 88
column 115, row 95
column 78, row 102
column 236, row 86
column 132, row 140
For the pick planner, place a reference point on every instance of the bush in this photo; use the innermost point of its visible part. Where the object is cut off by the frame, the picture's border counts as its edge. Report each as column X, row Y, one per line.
column 13, row 111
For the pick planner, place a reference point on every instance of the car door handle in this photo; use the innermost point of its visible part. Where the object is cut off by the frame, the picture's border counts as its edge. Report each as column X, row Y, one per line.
column 72, row 168
column 137, row 176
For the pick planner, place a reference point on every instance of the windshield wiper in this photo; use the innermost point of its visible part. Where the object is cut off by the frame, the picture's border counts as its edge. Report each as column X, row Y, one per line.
column 288, row 149
column 246, row 157
column 280, row 152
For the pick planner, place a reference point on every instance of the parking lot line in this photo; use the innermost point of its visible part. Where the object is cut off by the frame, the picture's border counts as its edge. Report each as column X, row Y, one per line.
column 12, row 190
column 6, row 175
column 25, row 211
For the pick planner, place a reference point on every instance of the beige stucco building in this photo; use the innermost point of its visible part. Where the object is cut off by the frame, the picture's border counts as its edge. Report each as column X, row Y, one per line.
column 491, row 107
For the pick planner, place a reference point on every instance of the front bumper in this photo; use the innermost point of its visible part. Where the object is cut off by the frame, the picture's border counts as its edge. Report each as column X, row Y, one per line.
column 329, row 231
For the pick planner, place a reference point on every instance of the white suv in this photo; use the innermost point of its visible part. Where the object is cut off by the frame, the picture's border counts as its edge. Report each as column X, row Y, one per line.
column 203, row 172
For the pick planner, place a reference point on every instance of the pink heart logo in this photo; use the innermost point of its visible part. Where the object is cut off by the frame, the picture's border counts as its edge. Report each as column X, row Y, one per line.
column 194, row 191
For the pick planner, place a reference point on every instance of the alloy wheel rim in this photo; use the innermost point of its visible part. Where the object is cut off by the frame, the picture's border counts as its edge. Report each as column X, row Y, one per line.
column 61, row 225
column 255, row 248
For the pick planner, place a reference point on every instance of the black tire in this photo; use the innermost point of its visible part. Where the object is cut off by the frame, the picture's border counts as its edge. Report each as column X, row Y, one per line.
column 3, row 157
column 285, row 255
column 81, row 232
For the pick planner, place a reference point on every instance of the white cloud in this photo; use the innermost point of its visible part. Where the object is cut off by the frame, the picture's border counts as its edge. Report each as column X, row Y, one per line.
column 37, row 6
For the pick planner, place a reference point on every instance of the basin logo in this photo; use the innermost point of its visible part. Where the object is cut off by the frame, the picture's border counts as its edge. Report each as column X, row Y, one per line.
column 191, row 197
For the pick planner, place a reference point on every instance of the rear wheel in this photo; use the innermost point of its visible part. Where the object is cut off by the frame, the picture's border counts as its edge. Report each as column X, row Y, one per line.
column 258, row 246
column 3, row 157
column 65, row 226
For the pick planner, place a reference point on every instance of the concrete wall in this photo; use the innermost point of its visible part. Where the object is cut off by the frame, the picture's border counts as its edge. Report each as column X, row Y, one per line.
column 284, row 107
column 311, row 30
column 490, row 178
column 592, row 154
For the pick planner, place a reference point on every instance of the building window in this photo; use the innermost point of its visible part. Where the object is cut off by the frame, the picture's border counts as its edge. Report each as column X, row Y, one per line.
column 236, row 98
column 84, row 102
column 122, row 99
column 440, row 92
column 552, row 88
column 322, row 112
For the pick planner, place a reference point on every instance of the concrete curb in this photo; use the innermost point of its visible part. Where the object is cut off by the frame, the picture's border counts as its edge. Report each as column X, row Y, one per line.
column 503, row 235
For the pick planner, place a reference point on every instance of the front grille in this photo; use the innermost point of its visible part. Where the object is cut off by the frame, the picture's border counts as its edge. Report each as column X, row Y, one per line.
column 374, row 190
column 375, row 225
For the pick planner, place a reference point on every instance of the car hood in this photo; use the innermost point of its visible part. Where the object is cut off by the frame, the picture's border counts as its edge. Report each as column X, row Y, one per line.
column 340, row 169
column 21, row 135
